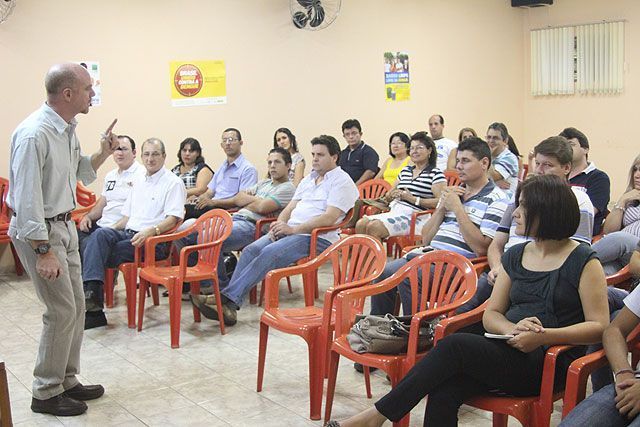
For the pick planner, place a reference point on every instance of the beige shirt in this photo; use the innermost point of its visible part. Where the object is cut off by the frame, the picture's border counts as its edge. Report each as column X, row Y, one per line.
column 45, row 164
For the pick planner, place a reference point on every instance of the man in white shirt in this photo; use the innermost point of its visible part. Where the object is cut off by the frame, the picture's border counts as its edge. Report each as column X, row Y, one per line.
column 117, row 186
column 321, row 199
column 445, row 147
column 155, row 205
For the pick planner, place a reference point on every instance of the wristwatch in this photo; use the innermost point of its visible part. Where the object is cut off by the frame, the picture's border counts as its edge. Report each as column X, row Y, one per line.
column 42, row 248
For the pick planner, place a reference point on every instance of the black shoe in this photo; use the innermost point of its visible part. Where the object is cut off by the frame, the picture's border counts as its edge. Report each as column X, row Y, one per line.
column 358, row 367
column 94, row 319
column 60, row 405
column 85, row 392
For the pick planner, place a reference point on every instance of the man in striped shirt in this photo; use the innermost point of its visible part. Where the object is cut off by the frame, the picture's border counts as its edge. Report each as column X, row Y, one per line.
column 465, row 220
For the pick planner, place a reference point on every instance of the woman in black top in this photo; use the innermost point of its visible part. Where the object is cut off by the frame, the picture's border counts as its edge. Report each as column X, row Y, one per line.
column 553, row 293
column 192, row 169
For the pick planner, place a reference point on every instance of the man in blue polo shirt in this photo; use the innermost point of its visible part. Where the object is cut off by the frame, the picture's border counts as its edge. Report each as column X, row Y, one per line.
column 587, row 177
column 359, row 160
column 235, row 173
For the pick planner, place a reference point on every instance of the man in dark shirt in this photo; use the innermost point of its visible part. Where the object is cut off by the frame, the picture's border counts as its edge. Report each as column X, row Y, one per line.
column 359, row 160
column 585, row 174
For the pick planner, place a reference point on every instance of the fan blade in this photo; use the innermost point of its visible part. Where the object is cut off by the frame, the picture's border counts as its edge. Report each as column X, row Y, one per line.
column 318, row 16
column 305, row 3
column 300, row 19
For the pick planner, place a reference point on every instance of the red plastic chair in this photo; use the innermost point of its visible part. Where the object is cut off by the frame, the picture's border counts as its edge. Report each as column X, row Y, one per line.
column 581, row 368
column 523, row 172
column 452, row 284
column 85, row 199
column 395, row 244
column 622, row 279
column 357, row 260
column 5, row 218
column 371, row 189
column 530, row 411
column 452, row 178
column 213, row 228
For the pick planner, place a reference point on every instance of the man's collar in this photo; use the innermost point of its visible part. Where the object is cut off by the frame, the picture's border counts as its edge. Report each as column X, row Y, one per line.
column 156, row 176
column 360, row 145
column 56, row 120
column 134, row 166
column 237, row 161
column 327, row 174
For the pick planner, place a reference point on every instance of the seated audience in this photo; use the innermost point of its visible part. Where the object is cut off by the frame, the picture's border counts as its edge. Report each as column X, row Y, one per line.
column 359, row 160
column 117, row 186
column 445, row 147
column 622, row 226
column 585, row 175
column 616, row 404
column 465, row 219
column 552, row 292
column 504, row 166
column 154, row 206
column 418, row 188
column 322, row 199
column 192, row 169
column 265, row 199
column 397, row 160
column 234, row 174
column 287, row 140
column 466, row 133
column 552, row 157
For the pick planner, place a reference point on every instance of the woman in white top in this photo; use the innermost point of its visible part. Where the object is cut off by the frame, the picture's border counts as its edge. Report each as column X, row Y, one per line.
column 287, row 140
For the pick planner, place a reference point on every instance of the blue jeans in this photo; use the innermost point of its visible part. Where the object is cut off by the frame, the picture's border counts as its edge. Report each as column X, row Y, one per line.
column 599, row 410
column 615, row 250
column 83, row 237
column 108, row 248
column 242, row 235
column 265, row 255
column 483, row 292
column 385, row 303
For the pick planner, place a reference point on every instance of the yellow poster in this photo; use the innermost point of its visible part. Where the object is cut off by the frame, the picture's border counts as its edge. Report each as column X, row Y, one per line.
column 197, row 83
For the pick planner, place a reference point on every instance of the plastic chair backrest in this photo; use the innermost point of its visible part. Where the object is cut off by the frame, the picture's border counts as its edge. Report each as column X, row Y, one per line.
column 523, row 172
column 373, row 188
column 84, row 196
column 452, row 178
column 213, row 226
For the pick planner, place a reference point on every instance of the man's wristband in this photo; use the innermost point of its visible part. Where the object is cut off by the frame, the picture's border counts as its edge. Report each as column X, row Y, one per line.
column 624, row 371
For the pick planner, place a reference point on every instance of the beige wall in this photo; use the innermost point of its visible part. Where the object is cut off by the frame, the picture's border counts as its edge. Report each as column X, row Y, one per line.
column 469, row 62
column 608, row 121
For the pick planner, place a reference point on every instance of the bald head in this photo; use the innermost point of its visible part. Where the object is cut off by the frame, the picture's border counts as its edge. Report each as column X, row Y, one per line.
column 62, row 76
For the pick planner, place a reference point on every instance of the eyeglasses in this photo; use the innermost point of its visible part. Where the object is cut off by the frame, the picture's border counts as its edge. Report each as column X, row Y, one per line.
column 229, row 140
column 417, row 148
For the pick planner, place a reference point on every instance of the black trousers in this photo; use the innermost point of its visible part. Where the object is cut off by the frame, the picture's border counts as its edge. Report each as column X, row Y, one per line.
column 461, row 366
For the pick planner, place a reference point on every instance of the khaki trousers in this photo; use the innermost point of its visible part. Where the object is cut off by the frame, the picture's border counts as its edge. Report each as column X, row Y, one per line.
column 58, row 360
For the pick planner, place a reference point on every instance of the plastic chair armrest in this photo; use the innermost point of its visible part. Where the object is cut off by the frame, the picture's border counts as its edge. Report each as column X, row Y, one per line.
column 577, row 376
column 452, row 324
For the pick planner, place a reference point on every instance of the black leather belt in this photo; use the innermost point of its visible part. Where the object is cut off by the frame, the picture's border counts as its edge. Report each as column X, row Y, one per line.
column 60, row 217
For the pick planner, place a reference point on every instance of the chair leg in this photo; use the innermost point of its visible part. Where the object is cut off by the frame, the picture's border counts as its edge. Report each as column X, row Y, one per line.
column 195, row 290
column 175, row 307
column 108, row 287
column 367, row 381
column 142, row 294
column 262, row 353
column 216, row 292
column 261, row 300
column 310, row 288
column 316, row 377
column 16, row 261
column 5, row 404
column 129, row 273
column 156, row 295
column 253, row 295
column 331, row 384
column 290, row 289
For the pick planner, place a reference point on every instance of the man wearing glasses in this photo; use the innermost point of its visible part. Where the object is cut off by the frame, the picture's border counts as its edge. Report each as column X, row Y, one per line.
column 154, row 206
column 117, row 186
column 234, row 174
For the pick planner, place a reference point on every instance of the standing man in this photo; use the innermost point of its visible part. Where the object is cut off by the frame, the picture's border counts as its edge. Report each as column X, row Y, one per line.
column 235, row 173
column 45, row 164
column 117, row 186
column 445, row 147
column 359, row 160
column 586, row 176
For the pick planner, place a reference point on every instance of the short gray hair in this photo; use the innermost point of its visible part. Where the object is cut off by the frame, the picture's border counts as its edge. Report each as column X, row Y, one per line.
column 154, row 140
column 60, row 77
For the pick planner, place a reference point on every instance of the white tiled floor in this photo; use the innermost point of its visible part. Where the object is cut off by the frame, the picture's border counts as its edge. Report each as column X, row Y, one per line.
column 210, row 380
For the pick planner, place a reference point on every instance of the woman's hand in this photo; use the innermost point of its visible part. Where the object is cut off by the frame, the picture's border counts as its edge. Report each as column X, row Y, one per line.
column 528, row 324
column 526, row 342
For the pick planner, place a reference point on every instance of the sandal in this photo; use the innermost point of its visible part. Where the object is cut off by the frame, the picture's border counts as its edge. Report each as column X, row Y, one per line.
column 332, row 424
